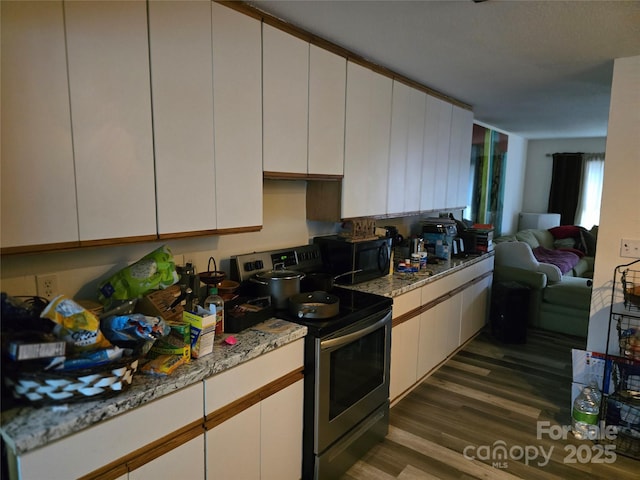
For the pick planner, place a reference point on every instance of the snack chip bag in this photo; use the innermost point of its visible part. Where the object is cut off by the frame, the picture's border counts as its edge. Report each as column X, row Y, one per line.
column 75, row 325
column 154, row 271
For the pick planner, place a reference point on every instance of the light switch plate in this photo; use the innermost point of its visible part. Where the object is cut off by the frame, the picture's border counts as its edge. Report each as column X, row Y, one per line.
column 630, row 248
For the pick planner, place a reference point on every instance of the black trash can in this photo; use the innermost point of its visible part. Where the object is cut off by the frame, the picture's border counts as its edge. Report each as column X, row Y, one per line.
column 509, row 312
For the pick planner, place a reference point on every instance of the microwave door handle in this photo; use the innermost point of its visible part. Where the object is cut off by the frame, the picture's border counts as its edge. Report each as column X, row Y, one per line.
column 334, row 343
column 383, row 255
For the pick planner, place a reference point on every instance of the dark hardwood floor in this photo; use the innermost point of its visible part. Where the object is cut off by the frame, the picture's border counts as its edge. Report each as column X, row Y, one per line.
column 487, row 396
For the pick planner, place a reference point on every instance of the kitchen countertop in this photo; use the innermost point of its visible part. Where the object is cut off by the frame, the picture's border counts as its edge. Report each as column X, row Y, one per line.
column 399, row 283
column 27, row 428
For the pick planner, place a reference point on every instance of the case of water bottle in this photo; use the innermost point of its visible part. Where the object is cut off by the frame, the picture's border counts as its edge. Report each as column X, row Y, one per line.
column 621, row 408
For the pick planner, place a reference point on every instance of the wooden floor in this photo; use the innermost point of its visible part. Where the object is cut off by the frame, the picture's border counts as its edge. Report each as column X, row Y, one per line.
column 491, row 395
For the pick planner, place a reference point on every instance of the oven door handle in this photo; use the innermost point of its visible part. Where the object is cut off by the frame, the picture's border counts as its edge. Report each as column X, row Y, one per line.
column 332, row 343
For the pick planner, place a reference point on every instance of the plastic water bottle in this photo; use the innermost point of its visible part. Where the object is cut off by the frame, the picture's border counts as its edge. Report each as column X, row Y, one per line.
column 215, row 304
column 585, row 414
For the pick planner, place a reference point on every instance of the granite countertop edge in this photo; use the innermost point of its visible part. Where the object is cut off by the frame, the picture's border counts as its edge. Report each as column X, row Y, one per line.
column 399, row 283
column 27, row 428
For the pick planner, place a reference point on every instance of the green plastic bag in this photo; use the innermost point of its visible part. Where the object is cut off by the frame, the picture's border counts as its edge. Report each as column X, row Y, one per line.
column 154, row 271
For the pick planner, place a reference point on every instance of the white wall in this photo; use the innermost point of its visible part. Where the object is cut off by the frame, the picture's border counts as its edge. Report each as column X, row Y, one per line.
column 620, row 212
column 539, row 167
column 515, row 183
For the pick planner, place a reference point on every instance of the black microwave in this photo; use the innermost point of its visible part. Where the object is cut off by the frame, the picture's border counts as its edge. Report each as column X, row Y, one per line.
column 366, row 259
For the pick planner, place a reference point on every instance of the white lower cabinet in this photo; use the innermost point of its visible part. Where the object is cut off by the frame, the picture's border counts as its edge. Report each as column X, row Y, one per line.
column 233, row 447
column 185, row 461
column 281, row 434
column 439, row 334
column 253, row 417
column 404, row 344
column 475, row 308
column 431, row 322
column 109, row 441
column 404, row 352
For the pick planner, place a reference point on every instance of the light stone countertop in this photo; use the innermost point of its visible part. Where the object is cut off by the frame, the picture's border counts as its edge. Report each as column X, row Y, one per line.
column 399, row 283
column 27, row 428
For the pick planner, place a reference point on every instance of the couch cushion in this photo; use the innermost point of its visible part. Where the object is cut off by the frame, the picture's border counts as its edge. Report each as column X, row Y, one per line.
column 527, row 236
column 571, row 292
column 536, row 237
column 565, row 231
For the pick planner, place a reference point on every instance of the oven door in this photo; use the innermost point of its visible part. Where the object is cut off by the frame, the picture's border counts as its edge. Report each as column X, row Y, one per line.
column 352, row 377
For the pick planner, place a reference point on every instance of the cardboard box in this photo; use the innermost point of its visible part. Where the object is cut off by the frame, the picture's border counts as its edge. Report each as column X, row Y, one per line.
column 590, row 367
column 203, row 329
column 23, row 350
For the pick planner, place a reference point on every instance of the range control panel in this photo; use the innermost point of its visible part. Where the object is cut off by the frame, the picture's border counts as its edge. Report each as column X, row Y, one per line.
column 305, row 258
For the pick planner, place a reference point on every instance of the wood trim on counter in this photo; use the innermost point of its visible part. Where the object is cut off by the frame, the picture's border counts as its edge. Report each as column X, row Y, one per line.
column 146, row 454
column 334, row 48
column 219, row 416
column 161, row 446
column 442, row 298
column 205, row 233
column 300, row 176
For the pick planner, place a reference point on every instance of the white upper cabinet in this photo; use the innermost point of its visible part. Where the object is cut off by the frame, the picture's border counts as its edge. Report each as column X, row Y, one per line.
column 285, row 101
column 327, row 90
column 38, row 179
column 367, row 137
column 237, row 107
column 460, row 155
column 108, row 61
column 437, row 134
column 181, row 80
column 406, row 151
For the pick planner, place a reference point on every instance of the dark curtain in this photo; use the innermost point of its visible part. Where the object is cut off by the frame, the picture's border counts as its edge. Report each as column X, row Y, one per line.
column 565, row 186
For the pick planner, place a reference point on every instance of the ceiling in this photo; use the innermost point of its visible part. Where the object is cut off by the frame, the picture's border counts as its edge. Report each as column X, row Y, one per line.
column 538, row 69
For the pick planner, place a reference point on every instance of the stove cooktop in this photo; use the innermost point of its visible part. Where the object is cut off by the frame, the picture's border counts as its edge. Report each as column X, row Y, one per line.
column 354, row 305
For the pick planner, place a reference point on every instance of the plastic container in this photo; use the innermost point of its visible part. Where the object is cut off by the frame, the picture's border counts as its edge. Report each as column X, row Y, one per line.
column 585, row 414
column 215, row 304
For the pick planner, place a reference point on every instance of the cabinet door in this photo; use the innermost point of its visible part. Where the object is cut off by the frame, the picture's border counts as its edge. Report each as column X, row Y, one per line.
column 281, row 434
column 404, row 357
column 233, row 447
column 459, row 157
column 237, row 109
column 327, row 90
column 109, row 440
column 475, row 308
column 108, row 61
column 367, row 136
column 180, row 51
column 285, row 101
column 185, row 461
column 436, row 153
column 37, row 154
column 439, row 333
column 464, row 131
column 406, row 150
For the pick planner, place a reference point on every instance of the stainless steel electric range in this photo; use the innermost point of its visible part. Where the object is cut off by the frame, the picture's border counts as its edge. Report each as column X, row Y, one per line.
column 346, row 385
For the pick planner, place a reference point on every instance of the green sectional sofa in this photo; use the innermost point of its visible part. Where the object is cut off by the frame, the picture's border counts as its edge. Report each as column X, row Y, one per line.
column 560, row 293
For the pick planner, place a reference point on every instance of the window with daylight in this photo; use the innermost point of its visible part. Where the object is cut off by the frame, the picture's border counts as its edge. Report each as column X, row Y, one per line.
column 588, row 211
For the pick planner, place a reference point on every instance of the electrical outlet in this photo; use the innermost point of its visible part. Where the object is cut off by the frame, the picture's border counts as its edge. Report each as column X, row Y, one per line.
column 47, row 286
column 630, row 248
